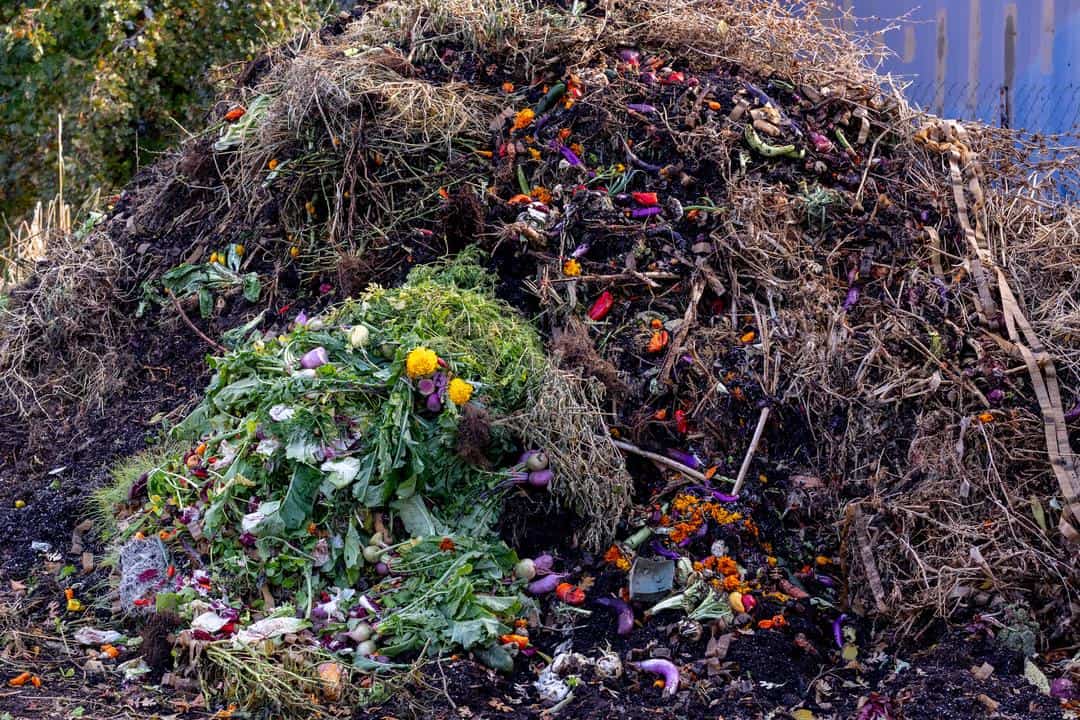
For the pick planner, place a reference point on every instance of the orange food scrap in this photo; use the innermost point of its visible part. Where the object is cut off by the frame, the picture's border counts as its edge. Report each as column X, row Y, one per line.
column 748, row 337
column 20, row 679
column 520, row 640
column 570, row 594
column 523, row 119
column 235, row 114
column 658, row 341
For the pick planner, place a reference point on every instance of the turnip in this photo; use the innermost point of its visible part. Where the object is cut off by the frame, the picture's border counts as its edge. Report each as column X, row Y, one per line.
column 623, row 613
column 537, row 461
column 372, row 553
column 361, row 633
column 367, row 648
column 314, row 358
column 359, row 336
column 382, row 568
column 525, row 569
column 545, row 584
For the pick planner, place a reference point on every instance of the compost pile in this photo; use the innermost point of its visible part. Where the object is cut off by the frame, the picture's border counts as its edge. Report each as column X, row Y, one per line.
column 708, row 341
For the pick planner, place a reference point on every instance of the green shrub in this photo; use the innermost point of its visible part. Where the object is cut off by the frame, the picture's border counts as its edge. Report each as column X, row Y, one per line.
column 125, row 75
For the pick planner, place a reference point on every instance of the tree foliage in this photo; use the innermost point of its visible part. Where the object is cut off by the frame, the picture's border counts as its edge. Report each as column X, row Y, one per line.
column 125, row 75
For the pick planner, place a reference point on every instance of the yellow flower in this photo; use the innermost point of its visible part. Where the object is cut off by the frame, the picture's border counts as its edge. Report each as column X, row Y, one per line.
column 459, row 391
column 420, row 362
column 239, row 250
column 571, row 268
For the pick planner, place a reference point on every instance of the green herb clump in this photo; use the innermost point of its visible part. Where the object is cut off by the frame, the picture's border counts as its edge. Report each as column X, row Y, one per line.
column 313, row 449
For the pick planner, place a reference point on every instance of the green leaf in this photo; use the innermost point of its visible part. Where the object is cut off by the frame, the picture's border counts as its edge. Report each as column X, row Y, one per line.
column 416, row 518
column 252, row 287
column 481, row 631
column 206, row 303
column 354, row 557
column 300, row 498
column 496, row 658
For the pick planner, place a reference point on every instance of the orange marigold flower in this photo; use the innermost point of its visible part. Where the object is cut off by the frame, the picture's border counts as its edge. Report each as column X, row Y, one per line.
column 541, row 194
column 731, row 583
column 725, row 565
column 524, row 118
column 447, row 545
column 617, row 558
column 571, row 268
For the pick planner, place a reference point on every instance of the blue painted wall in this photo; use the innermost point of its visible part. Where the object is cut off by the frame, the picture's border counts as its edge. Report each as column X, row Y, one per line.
column 994, row 60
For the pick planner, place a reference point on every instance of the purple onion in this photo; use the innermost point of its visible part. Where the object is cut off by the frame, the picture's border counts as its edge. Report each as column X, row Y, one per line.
column 302, row 318
column 314, row 358
column 540, row 478
column 996, row 395
column 685, row 458
column 434, row 404
column 645, row 212
column 838, row 630
column 852, row 297
column 623, row 613
column 570, row 155
column 659, row 549
column 546, row 584
column 426, row 386
column 644, row 108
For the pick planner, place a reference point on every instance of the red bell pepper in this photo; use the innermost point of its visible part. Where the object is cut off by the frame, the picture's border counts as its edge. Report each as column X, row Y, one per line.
column 645, row 198
column 602, row 306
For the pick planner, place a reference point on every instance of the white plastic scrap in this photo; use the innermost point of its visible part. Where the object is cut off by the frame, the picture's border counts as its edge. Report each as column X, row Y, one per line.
column 93, row 636
column 269, row 628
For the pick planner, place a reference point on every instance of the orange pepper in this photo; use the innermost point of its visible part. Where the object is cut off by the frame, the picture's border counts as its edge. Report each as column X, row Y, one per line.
column 69, row 593
column 508, row 87
column 765, row 624
column 713, row 105
column 748, row 337
column 986, row 417
column 20, row 679
column 658, row 341
column 520, row 640
column 111, row 651
column 201, row 450
column 570, row 594
column 35, row 681
column 444, row 193
column 235, row 114
column 519, row 199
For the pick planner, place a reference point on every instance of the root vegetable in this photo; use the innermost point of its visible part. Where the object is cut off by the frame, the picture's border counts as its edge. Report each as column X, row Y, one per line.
column 314, row 358
column 361, row 633
column 525, row 569
column 544, row 563
column 540, row 478
column 665, row 669
column 359, row 336
column 372, row 553
column 546, row 584
column 366, row 648
column 537, row 461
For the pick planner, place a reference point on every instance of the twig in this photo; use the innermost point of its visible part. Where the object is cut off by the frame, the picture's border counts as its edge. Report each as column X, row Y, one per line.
column 200, row 333
column 762, row 419
column 673, row 464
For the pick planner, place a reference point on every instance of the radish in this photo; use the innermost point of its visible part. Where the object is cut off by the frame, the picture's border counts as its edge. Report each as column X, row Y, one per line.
column 664, row 668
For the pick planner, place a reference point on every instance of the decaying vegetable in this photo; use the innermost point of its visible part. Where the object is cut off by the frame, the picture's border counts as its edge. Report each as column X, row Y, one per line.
column 665, row 669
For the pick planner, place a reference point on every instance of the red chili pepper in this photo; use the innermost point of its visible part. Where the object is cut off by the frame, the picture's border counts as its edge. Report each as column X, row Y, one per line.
column 170, row 571
column 142, row 602
column 681, row 423
column 645, row 198
column 284, row 308
column 602, row 306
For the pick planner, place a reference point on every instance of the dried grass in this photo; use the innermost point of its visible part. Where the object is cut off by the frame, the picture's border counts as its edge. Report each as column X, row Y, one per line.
column 566, row 421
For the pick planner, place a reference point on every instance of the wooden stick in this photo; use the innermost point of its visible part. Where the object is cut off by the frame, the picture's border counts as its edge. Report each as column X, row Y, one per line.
column 200, row 333
column 762, row 419
column 673, row 464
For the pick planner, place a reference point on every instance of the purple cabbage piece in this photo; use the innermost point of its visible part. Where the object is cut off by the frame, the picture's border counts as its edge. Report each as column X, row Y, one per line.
column 434, row 403
column 570, row 155
column 659, row 549
column 644, row 212
column 426, row 386
column 643, row 108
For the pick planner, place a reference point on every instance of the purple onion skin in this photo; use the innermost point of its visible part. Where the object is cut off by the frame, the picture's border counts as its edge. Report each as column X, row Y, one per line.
column 645, row 212
column 623, row 613
column 314, row 358
column 664, row 668
column 570, row 155
column 659, row 549
column 644, row 108
column 426, row 386
column 852, row 298
column 685, row 458
column 1064, row 689
column 838, row 630
column 434, row 404
column 382, row 569
column 546, row 584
